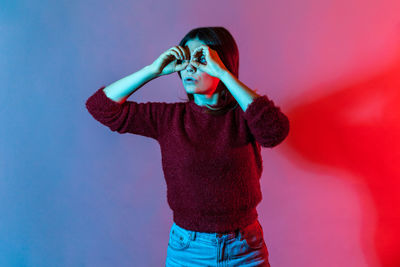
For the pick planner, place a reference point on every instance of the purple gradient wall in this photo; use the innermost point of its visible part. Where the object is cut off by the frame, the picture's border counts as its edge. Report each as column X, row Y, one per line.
column 74, row 193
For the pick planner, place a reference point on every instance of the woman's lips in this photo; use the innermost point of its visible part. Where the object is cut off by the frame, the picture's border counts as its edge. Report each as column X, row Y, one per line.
column 190, row 81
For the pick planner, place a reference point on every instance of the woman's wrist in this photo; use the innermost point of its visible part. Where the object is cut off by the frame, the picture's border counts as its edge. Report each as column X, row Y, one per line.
column 151, row 72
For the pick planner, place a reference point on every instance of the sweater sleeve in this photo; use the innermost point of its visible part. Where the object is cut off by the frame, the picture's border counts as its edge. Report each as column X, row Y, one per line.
column 128, row 117
column 267, row 123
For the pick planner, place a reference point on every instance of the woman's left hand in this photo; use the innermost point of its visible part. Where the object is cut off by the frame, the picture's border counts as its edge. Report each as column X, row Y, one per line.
column 212, row 64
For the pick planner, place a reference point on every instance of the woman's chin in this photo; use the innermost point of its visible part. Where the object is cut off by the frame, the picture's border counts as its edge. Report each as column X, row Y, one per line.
column 195, row 90
column 192, row 90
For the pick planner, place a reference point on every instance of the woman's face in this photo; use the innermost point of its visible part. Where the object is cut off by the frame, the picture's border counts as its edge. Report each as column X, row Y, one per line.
column 204, row 83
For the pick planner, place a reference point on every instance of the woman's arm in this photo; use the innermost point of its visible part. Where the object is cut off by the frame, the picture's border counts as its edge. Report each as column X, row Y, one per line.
column 242, row 94
column 120, row 90
column 268, row 124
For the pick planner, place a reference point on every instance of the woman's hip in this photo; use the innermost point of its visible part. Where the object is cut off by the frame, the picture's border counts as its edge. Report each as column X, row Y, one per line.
column 244, row 247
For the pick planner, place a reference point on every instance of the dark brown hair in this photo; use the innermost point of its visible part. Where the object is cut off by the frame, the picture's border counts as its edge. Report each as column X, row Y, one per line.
column 220, row 40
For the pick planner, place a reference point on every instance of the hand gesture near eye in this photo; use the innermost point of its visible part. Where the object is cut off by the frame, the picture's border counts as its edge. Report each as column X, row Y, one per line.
column 208, row 60
column 174, row 59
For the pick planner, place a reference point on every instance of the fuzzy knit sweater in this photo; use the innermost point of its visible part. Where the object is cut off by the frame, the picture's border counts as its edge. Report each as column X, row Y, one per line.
column 212, row 164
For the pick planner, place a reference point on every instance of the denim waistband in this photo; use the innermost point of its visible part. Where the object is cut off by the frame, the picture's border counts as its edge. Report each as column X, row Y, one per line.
column 212, row 236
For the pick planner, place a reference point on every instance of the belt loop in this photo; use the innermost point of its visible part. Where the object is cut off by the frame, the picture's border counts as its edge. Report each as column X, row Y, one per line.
column 192, row 235
column 238, row 233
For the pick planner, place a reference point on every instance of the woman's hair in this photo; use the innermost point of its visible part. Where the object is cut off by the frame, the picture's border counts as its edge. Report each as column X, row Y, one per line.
column 220, row 40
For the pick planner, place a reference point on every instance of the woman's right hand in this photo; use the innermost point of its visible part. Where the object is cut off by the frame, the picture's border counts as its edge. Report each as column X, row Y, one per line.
column 174, row 59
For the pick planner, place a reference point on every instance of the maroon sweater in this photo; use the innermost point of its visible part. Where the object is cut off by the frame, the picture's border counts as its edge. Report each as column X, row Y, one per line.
column 212, row 163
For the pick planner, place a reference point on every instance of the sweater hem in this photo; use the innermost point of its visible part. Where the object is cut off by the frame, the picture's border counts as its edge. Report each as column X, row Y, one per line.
column 215, row 224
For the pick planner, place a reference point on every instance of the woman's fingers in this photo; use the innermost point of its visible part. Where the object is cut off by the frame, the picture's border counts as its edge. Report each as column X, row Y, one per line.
column 187, row 52
column 197, row 51
column 182, row 66
column 175, row 53
column 182, row 52
column 178, row 52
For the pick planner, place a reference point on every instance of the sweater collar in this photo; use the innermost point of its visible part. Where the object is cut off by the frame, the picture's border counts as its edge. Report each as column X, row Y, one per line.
column 198, row 108
column 202, row 109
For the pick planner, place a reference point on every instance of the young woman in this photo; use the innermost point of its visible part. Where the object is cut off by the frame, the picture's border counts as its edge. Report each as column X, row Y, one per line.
column 210, row 145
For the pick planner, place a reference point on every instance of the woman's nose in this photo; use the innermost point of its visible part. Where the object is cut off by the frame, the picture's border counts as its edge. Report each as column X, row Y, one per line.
column 190, row 68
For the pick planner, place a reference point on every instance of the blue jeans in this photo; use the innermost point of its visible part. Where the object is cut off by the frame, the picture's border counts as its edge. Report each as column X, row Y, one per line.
column 243, row 247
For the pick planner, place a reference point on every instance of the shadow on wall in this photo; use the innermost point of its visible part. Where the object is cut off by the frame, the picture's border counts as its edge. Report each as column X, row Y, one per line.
column 356, row 129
